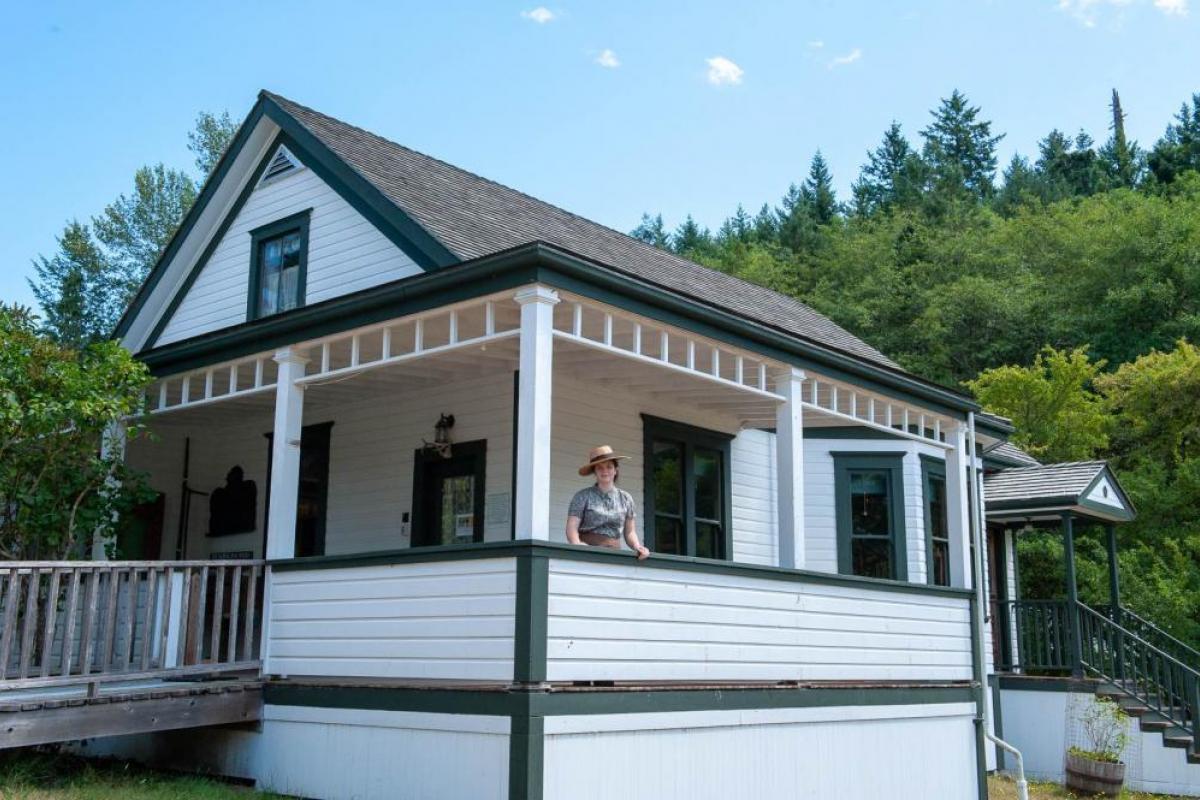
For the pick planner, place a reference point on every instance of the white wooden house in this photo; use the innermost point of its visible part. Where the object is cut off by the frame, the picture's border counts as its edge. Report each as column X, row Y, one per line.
column 806, row 626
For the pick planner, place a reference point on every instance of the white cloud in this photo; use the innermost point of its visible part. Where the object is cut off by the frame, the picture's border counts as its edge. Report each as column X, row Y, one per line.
column 1090, row 13
column 722, row 71
column 849, row 58
column 541, row 15
column 816, row 44
column 608, row 58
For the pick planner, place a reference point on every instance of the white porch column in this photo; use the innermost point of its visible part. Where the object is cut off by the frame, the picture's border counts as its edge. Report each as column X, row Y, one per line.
column 112, row 445
column 958, row 510
column 533, row 415
column 789, row 469
column 285, row 454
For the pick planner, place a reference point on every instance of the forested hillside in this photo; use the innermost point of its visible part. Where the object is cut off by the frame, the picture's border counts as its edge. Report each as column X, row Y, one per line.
column 965, row 273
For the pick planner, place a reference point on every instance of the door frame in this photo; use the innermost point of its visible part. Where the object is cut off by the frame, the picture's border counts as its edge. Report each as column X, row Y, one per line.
column 475, row 452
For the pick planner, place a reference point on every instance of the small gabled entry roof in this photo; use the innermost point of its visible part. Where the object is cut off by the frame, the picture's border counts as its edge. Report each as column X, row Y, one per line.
column 1088, row 488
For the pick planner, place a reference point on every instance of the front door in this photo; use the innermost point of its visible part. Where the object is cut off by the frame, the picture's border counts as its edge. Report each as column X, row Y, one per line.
column 448, row 495
column 998, row 594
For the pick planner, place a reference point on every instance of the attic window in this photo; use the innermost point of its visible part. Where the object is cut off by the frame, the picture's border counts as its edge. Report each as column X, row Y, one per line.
column 283, row 163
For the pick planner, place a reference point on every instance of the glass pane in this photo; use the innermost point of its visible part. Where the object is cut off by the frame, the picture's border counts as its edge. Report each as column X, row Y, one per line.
column 941, row 563
column 708, row 540
column 869, row 503
column 458, row 510
column 279, row 274
column 707, row 466
column 291, row 250
column 268, row 293
column 668, row 535
column 668, row 477
column 288, row 288
column 937, row 508
column 871, row 558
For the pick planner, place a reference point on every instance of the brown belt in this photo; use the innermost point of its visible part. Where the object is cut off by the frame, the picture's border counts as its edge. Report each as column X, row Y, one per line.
column 599, row 540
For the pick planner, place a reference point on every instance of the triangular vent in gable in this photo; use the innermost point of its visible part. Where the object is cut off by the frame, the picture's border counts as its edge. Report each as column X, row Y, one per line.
column 283, row 163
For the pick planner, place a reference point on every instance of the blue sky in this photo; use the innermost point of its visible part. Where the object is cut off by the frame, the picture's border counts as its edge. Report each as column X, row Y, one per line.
column 607, row 108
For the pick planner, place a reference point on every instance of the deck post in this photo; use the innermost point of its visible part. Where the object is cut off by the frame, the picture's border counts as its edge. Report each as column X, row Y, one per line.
column 112, row 445
column 1114, row 581
column 789, row 467
column 958, row 499
column 1068, row 525
column 534, row 389
column 285, row 454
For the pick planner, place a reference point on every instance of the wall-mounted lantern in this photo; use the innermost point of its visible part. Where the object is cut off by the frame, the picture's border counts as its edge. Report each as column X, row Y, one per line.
column 441, row 443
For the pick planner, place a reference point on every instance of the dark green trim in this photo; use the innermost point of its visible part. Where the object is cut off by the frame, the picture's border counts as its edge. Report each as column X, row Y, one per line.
column 210, row 248
column 512, row 487
column 997, row 719
column 1004, row 621
column 1120, row 490
column 1034, row 683
column 1114, row 580
column 532, row 611
column 893, row 464
column 622, row 700
column 474, row 455
column 977, row 689
column 689, row 436
column 539, row 262
column 417, row 243
column 293, row 222
column 850, row 432
column 245, row 130
column 1054, row 506
column 1068, row 528
column 560, row 550
column 932, row 468
column 526, row 758
column 994, row 427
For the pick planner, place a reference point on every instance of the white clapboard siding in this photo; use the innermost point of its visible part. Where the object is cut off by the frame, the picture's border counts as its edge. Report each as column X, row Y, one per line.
column 755, row 513
column 345, row 253
column 902, row 752
column 619, row 622
column 820, row 511
column 451, row 619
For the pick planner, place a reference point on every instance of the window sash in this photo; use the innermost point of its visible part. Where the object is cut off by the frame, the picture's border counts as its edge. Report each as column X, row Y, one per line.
column 704, row 459
column 854, row 546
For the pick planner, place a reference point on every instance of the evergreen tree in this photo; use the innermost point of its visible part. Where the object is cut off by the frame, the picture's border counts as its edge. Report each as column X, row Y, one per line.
column 80, row 300
column 135, row 228
column 652, row 231
column 960, row 148
column 817, row 191
column 209, row 138
column 1119, row 158
column 1179, row 149
column 766, row 225
column 690, row 238
column 1068, row 168
column 1022, row 185
column 738, row 228
column 881, row 181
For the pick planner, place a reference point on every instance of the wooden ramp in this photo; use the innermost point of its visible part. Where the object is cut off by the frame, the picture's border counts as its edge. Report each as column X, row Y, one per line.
column 50, row 717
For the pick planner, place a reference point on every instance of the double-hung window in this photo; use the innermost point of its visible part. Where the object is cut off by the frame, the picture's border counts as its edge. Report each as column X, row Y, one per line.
column 937, row 521
column 687, row 489
column 869, row 495
column 278, row 265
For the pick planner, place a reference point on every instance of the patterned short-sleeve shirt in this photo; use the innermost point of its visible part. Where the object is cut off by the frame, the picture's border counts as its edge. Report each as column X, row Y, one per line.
column 602, row 512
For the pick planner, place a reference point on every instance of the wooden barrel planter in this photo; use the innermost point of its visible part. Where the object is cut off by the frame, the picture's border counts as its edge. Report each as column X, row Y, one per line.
column 1094, row 777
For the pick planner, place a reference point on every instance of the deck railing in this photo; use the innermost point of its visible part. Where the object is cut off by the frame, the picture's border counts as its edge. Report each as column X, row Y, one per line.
column 88, row 622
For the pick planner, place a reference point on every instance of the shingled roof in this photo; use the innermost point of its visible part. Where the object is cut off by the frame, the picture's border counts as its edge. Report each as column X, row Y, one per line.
column 473, row 217
column 1052, row 481
column 1009, row 453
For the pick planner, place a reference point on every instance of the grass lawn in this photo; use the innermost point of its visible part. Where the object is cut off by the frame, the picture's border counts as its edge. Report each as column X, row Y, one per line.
column 1003, row 789
column 28, row 775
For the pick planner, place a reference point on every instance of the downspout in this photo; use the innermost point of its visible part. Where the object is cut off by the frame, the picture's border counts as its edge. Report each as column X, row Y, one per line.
column 981, row 598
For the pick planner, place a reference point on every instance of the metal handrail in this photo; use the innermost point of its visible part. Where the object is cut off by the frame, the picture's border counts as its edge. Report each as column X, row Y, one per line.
column 1185, row 652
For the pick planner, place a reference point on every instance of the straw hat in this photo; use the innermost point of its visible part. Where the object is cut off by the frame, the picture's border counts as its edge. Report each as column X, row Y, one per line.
column 598, row 455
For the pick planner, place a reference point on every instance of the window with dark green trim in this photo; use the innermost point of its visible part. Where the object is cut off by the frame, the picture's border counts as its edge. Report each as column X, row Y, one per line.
column 869, row 494
column 687, row 489
column 278, row 266
column 937, row 521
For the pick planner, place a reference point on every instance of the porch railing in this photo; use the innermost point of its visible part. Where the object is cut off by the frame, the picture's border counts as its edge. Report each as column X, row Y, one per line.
column 1147, row 630
column 1049, row 631
column 88, row 622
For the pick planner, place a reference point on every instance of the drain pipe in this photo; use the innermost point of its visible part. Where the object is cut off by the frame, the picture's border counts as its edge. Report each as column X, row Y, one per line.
column 980, row 599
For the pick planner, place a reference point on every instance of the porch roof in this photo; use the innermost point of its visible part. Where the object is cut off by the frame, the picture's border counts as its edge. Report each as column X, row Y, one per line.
column 1088, row 488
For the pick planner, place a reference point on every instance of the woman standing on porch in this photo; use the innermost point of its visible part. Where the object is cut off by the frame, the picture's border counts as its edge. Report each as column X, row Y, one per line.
column 600, row 514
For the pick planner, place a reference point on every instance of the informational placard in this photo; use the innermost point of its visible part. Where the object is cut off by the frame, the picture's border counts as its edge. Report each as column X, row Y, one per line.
column 498, row 508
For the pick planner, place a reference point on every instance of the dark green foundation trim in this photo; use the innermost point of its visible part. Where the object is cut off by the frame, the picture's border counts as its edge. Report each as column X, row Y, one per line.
column 533, row 589
column 508, row 549
column 631, row 700
column 997, row 719
column 526, row 758
column 1033, row 683
column 980, row 700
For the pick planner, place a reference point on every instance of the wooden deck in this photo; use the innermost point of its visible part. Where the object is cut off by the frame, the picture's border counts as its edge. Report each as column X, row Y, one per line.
column 92, row 649
column 51, row 716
